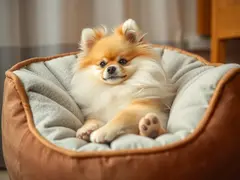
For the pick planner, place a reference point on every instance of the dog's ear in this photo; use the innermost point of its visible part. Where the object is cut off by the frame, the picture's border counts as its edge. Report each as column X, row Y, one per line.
column 90, row 36
column 130, row 31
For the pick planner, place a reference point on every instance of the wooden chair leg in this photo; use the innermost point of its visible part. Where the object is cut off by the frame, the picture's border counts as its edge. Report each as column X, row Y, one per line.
column 218, row 50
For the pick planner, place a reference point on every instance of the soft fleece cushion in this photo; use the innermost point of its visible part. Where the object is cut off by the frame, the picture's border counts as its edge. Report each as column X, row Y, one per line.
column 57, row 116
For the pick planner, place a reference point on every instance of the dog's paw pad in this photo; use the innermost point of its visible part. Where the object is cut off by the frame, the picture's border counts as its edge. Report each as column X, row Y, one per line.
column 150, row 126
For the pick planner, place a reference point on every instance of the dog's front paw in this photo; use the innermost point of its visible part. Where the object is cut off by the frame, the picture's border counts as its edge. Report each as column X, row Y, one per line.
column 85, row 131
column 102, row 135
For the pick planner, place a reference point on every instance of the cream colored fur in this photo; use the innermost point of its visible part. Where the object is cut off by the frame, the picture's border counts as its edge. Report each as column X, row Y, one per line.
column 115, row 108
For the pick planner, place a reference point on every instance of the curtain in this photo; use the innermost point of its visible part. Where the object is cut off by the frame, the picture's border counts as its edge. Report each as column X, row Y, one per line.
column 30, row 28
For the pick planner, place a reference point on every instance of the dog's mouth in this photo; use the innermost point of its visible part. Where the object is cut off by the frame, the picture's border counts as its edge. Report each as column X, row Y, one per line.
column 114, row 77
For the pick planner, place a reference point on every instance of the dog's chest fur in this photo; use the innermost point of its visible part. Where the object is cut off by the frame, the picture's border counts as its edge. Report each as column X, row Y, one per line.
column 103, row 103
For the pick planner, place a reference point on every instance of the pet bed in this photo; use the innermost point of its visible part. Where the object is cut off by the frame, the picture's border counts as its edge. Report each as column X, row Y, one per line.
column 40, row 119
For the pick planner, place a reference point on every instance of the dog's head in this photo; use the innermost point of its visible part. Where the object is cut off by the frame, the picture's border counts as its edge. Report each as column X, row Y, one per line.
column 113, row 58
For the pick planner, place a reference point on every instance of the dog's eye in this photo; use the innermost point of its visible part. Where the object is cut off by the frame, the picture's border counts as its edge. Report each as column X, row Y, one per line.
column 102, row 64
column 122, row 61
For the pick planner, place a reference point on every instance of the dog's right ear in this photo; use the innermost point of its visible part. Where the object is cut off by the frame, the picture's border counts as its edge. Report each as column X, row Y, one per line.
column 90, row 36
column 130, row 31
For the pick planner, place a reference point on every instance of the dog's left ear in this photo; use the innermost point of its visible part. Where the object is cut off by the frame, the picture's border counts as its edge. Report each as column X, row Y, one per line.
column 130, row 31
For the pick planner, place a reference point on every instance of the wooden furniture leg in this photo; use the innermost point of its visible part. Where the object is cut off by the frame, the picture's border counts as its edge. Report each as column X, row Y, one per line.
column 224, row 26
column 218, row 50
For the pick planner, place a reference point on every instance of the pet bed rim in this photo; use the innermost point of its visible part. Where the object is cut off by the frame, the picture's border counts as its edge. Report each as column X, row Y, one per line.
column 107, row 153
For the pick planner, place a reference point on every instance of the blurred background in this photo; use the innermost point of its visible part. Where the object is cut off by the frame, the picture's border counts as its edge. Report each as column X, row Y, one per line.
column 30, row 28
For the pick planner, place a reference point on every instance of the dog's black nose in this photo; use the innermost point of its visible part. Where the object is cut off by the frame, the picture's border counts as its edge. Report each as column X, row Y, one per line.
column 111, row 69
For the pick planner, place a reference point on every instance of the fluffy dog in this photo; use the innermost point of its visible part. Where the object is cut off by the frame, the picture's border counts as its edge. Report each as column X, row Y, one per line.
column 120, row 84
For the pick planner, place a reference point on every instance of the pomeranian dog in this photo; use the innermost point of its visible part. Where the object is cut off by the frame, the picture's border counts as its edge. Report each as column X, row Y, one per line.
column 120, row 85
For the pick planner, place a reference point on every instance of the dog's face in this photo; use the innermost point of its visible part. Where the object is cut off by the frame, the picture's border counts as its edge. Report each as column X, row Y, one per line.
column 112, row 58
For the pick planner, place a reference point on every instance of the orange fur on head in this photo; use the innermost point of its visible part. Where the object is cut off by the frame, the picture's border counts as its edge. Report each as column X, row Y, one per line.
column 121, row 43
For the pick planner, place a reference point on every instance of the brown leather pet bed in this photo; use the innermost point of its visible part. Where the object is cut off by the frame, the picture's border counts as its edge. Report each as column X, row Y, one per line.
column 40, row 119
